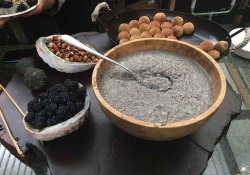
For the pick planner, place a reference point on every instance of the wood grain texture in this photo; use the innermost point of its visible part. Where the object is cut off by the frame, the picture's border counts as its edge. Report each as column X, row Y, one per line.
column 157, row 131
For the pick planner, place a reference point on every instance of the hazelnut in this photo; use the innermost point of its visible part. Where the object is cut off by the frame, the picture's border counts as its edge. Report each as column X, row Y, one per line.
column 60, row 55
column 51, row 45
column 55, row 38
column 92, row 57
column 85, row 58
column 94, row 60
column 67, row 55
column 48, row 41
column 79, row 59
column 71, row 53
column 57, row 53
column 59, row 38
column 88, row 61
column 72, row 59
column 64, row 56
column 58, row 45
column 83, row 53
column 61, row 50
column 63, row 45
column 56, row 48
column 75, row 56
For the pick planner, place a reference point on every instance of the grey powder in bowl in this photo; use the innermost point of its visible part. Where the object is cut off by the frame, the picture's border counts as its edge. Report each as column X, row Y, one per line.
column 192, row 92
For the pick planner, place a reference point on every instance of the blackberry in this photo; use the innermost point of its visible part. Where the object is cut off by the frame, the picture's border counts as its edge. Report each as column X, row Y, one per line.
column 41, row 113
column 72, row 107
column 73, row 86
column 52, row 121
column 79, row 106
column 38, row 107
column 21, row 7
column 51, row 107
column 40, row 121
column 30, row 117
column 49, row 114
column 81, row 92
column 32, row 2
column 55, row 88
column 33, row 123
column 7, row 4
column 62, row 111
column 73, row 96
column 68, row 116
column 30, row 105
column 46, row 102
column 63, row 89
column 52, row 94
column 68, row 81
column 43, row 96
column 57, row 99
column 64, row 97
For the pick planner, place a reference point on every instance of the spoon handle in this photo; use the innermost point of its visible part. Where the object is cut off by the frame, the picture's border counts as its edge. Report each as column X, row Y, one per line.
column 70, row 40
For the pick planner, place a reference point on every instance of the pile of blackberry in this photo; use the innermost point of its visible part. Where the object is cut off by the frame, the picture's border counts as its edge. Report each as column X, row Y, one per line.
column 58, row 104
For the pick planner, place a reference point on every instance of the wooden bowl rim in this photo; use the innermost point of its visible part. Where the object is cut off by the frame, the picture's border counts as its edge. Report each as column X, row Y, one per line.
column 191, row 121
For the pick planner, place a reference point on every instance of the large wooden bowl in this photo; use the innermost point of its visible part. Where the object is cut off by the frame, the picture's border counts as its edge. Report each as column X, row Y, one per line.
column 147, row 130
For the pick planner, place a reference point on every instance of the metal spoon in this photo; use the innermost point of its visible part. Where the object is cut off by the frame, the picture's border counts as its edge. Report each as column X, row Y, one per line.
column 70, row 40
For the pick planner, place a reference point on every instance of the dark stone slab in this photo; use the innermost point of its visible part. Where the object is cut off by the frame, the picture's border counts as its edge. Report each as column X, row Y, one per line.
column 98, row 147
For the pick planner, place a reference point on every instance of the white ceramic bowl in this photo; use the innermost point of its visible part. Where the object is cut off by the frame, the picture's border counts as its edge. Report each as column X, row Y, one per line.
column 245, row 51
column 58, row 63
column 61, row 129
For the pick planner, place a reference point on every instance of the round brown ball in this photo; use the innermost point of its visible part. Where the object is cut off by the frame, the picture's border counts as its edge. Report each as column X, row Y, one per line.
column 146, row 34
column 160, row 17
column 144, row 19
column 123, row 41
column 188, row 28
column 134, row 24
column 134, row 37
column 134, row 31
column 124, row 27
column 167, row 32
column 166, row 25
column 177, row 21
column 159, row 35
column 154, row 24
column 144, row 27
column 221, row 46
column 172, row 37
column 214, row 53
column 123, row 35
column 155, row 30
column 178, row 31
column 207, row 46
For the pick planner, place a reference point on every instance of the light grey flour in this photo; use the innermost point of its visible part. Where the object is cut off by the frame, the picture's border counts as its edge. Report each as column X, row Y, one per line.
column 192, row 92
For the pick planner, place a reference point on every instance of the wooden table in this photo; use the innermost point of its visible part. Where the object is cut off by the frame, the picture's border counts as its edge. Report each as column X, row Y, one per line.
column 99, row 147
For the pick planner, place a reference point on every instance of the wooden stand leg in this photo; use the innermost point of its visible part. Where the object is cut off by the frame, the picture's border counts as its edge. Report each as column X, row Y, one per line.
column 172, row 5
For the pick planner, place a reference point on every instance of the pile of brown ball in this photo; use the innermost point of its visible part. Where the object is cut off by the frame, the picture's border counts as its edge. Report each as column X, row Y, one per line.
column 216, row 50
column 159, row 28
column 68, row 52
